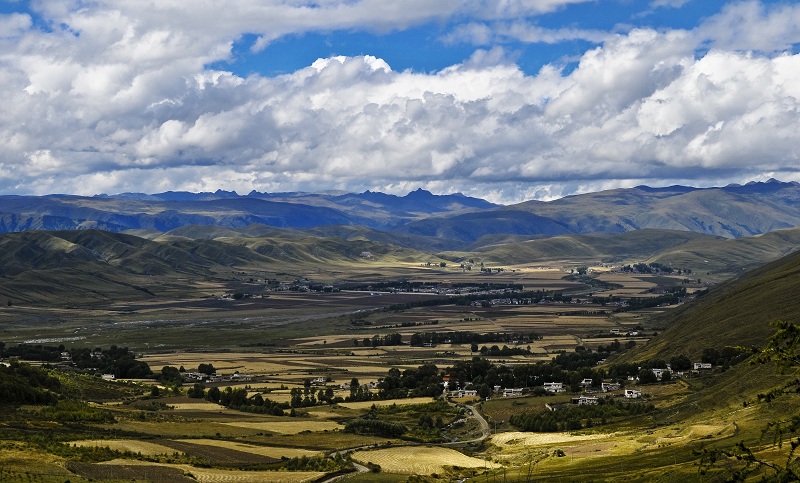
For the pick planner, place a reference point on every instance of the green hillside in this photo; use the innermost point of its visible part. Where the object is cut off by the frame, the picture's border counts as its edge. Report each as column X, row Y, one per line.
column 89, row 266
column 736, row 313
column 639, row 244
column 731, row 255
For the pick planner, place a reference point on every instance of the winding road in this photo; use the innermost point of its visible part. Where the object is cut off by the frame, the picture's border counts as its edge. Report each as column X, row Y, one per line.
column 485, row 430
column 473, row 412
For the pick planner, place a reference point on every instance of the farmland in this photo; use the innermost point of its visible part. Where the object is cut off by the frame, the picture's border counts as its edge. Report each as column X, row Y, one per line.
column 308, row 384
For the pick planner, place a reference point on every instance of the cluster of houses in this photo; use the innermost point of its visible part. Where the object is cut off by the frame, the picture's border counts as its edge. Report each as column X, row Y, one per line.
column 696, row 367
column 552, row 388
column 203, row 377
column 629, row 333
column 586, row 384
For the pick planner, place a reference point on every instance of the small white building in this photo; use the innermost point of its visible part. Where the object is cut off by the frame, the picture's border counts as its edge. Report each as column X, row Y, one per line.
column 463, row 393
column 610, row 386
column 660, row 372
column 585, row 400
column 633, row 394
column 512, row 392
column 586, row 383
column 554, row 387
column 702, row 366
column 108, row 377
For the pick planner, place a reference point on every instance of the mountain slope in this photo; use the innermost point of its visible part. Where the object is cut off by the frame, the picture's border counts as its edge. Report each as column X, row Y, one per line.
column 738, row 312
column 730, row 212
column 86, row 266
column 634, row 245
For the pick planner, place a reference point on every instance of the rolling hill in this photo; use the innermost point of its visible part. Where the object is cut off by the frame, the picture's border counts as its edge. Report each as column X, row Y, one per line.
column 87, row 266
column 698, row 251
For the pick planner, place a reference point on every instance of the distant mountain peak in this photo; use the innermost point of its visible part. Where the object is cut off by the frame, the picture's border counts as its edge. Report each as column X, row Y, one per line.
column 419, row 192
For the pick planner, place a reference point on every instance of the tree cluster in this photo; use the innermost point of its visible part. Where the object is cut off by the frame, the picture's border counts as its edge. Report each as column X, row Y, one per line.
column 22, row 383
column 575, row 417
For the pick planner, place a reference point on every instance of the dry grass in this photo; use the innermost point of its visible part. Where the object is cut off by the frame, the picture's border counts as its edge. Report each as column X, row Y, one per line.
column 170, row 429
column 416, row 460
column 228, row 362
column 132, row 445
column 516, row 438
column 288, row 427
column 200, row 406
column 268, row 451
column 388, row 402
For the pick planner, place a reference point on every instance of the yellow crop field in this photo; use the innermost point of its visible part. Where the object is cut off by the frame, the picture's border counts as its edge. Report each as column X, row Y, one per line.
column 324, row 339
column 228, row 362
column 388, row 402
column 288, row 427
column 516, row 438
column 199, row 406
column 132, row 445
column 420, row 460
column 269, row 451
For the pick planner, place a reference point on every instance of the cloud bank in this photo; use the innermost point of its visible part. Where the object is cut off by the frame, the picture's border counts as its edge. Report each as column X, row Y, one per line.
column 118, row 96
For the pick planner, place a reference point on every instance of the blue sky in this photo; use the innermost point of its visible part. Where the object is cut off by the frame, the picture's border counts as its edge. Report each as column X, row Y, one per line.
column 426, row 48
column 511, row 100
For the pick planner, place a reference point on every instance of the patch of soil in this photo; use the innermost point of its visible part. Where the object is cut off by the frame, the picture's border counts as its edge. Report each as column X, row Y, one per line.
column 217, row 456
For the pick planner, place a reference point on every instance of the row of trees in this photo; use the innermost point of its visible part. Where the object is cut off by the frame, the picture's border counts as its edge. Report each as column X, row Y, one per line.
column 421, row 338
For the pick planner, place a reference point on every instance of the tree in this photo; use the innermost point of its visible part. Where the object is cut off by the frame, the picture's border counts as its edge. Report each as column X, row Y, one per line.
column 680, row 363
column 207, row 369
column 213, row 394
column 172, row 375
column 197, row 391
column 647, row 376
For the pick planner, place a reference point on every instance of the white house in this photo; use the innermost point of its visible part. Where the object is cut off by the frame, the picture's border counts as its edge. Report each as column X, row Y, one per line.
column 610, row 386
column 702, row 365
column 512, row 392
column 584, row 400
column 633, row 394
column 554, row 387
column 586, row 383
column 660, row 372
column 463, row 393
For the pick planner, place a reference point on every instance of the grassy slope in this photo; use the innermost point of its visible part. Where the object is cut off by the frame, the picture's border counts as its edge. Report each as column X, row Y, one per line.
column 95, row 266
column 738, row 312
column 639, row 244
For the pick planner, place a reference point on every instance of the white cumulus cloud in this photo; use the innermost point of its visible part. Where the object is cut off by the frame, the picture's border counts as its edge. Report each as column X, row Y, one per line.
column 117, row 96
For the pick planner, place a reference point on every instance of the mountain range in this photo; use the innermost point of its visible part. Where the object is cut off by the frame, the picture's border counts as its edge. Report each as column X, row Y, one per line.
column 421, row 219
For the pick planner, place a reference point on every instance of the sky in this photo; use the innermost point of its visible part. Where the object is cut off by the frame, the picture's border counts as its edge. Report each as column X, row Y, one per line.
column 507, row 100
